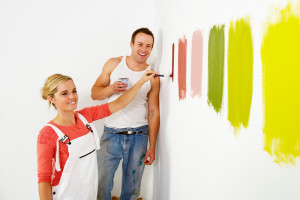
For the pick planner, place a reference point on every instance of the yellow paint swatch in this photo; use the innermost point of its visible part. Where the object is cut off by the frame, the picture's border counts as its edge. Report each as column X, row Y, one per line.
column 280, row 55
column 240, row 72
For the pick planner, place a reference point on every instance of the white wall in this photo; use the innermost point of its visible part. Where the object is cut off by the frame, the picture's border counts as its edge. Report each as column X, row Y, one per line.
column 39, row 38
column 199, row 157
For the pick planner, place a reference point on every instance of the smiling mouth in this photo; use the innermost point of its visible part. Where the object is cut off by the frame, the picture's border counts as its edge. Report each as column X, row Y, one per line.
column 72, row 103
column 142, row 54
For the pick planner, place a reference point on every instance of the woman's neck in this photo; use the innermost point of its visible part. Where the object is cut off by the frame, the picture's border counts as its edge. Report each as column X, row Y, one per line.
column 65, row 119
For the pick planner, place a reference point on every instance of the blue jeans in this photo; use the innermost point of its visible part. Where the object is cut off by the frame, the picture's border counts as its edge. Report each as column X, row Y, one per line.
column 114, row 147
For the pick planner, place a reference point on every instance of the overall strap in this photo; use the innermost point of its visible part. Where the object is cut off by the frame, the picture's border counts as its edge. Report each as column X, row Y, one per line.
column 92, row 128
column 61, row 137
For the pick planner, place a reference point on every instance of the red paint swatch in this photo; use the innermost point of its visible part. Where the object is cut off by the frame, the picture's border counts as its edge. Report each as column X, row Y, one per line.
column 182, row 48
column 196, row 63
column 173, row 48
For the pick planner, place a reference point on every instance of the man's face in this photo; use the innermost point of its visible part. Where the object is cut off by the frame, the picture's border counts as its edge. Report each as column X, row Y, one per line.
column 142, row 47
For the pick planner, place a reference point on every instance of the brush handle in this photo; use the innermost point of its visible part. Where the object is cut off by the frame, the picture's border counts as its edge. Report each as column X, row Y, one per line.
column 160, row 75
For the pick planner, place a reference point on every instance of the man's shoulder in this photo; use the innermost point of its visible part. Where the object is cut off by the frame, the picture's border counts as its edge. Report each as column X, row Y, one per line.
column 114, row 60
column 112, row 63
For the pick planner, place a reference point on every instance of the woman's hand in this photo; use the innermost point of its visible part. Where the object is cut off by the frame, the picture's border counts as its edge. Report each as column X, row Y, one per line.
column 148, row 75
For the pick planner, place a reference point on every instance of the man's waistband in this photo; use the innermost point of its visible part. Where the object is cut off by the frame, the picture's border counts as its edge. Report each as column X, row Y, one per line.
column 126, row 131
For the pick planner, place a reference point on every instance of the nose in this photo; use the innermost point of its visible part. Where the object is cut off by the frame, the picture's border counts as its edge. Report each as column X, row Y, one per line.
column 72, row 95
column 144, row 48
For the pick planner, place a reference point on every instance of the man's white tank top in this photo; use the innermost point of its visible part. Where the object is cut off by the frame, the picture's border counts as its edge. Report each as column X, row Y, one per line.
column 135, row 113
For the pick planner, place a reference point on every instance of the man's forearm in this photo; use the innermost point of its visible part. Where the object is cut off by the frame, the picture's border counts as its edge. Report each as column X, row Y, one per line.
column 153, row 123
column 101, row 93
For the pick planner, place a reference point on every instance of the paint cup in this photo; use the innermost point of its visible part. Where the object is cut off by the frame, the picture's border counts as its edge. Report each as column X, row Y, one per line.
column 124, row 80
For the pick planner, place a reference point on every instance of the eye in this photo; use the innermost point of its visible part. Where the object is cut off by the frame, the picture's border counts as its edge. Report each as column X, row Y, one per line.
column 74, row 91
column 64, row 93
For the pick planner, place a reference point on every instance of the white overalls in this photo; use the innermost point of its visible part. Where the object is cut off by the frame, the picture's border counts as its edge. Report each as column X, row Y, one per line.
column 79, row 177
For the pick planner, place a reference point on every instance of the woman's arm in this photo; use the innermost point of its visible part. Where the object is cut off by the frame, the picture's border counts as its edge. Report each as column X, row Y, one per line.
column 46, row 144
column 127, row 96
column 45, row 191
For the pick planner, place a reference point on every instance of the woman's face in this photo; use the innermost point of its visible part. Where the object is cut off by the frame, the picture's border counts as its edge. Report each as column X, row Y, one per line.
column 66, row 97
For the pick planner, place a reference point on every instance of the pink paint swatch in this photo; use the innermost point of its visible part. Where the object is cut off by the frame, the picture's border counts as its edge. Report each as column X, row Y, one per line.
column 182, row 48
column 196, row 63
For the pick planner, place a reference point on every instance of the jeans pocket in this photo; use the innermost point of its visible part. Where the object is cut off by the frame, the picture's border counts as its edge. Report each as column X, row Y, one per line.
column 106, row 135
column 110, row 144
column 144, row 133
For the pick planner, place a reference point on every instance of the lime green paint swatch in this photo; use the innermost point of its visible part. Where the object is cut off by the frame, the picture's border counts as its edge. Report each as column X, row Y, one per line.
column 216, row 49
column 240, row 72
column 280, row 55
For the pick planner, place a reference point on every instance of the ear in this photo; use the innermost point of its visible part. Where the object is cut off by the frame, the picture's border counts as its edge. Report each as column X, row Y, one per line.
column 51, row 99
column 131, row 44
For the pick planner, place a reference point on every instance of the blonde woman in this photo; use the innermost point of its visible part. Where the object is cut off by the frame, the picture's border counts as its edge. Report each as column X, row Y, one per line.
column 66, row 146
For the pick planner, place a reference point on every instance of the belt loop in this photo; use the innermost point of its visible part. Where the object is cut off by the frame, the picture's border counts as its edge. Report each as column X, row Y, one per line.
column 129, row 132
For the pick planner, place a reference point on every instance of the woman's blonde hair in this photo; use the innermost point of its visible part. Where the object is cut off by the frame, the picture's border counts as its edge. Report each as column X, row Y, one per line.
column 51, row 84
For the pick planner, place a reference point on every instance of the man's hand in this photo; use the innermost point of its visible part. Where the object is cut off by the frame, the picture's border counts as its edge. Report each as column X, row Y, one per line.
column 150, row 156
column 119, row 87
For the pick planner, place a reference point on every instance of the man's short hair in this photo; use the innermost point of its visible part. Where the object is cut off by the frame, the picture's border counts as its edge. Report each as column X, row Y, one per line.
column 142, row 30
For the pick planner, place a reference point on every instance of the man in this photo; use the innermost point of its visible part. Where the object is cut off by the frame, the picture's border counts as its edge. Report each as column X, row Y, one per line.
column 126, row 132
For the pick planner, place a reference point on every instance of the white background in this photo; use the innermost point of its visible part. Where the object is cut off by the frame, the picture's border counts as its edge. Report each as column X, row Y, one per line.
column 198, row 154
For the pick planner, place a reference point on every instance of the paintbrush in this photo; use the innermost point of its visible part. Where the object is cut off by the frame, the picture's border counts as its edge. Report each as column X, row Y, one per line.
column 160, row 75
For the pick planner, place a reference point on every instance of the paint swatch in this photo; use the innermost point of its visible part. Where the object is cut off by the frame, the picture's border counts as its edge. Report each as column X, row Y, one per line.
column 196, row 63
column 240, row 72
column 216, row 51
column 280, row 55
column 182, row 48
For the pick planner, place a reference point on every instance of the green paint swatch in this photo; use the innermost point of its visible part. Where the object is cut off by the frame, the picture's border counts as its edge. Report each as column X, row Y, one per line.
column 216, row 49
column 240, row 72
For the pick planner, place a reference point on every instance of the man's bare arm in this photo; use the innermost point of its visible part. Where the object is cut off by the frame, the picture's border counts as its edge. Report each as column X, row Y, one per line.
column 102, row 88
column 153, row 119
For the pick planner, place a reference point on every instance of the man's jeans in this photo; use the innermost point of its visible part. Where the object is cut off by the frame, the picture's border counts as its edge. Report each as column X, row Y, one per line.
column 132, row 149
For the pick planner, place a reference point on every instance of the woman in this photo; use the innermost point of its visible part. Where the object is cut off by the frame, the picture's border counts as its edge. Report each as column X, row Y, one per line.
column 67, row 164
